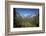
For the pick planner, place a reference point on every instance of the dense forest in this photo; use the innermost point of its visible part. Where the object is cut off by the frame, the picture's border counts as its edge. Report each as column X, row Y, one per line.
column 28, row 21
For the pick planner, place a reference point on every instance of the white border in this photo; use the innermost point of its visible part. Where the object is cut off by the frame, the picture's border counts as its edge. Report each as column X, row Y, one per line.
column 28, row 28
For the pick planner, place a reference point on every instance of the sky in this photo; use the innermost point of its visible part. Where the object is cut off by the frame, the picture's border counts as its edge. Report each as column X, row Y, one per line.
column 27, row 11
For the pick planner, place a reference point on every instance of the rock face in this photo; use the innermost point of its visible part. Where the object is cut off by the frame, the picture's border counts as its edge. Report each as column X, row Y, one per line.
column 22, row 16
column 17, row 14
column 30, row 16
